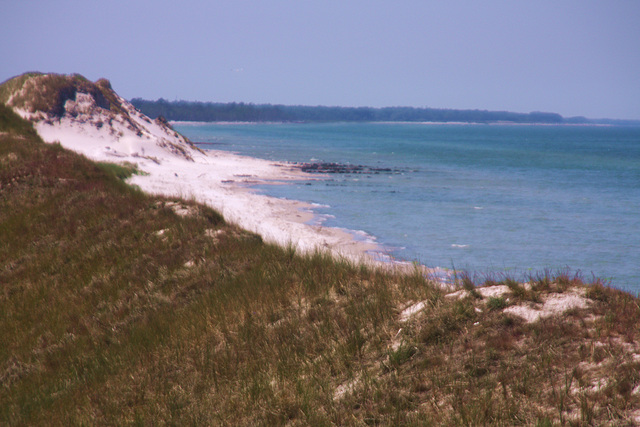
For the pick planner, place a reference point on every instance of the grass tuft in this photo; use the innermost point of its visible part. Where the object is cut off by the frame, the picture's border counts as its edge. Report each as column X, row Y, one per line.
column 121, row 171
column 496, row 303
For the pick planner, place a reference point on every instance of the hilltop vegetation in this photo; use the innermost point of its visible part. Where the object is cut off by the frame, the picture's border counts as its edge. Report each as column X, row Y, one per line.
column 121, row 308
column 48, row 93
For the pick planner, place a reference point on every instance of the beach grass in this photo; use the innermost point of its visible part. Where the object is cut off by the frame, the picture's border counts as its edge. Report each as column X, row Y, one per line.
column 117, row 307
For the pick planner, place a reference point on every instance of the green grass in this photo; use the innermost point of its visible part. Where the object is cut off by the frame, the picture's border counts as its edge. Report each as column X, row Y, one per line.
column 122, row 170
column 10, row 123
column 114, row 310
column 496, row 303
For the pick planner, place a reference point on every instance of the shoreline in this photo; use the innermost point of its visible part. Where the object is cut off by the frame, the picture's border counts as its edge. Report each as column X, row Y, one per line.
column 223, row 181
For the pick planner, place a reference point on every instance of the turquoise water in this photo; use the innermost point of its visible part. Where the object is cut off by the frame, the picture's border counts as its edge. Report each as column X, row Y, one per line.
column 486, row 198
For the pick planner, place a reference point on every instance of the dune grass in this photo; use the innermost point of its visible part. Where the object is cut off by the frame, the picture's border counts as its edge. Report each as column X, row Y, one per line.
column 118, row 308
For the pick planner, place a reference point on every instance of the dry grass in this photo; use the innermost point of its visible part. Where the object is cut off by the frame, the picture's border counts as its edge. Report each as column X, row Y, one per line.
column 115, row 309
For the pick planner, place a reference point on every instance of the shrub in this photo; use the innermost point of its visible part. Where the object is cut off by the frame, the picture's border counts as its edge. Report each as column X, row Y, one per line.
column 496, row 303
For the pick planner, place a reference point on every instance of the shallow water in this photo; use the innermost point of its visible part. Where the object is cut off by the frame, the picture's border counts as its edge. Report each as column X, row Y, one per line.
column 486, row 198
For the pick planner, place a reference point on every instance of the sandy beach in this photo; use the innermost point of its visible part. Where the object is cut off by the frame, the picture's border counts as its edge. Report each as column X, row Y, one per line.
column 173, row 167
column 223, row 181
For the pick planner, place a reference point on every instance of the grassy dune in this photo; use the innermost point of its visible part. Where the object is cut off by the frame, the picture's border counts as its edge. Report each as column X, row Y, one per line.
column 121, row 308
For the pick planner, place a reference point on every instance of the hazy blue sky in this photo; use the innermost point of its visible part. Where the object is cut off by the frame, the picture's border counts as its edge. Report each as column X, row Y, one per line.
column 574, row 57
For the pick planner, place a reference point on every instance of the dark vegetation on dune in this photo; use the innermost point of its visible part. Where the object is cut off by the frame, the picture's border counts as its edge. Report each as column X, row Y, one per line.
column 121, row 308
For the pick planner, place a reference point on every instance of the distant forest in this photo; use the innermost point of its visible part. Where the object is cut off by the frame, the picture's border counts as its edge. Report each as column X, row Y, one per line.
column 241, row 112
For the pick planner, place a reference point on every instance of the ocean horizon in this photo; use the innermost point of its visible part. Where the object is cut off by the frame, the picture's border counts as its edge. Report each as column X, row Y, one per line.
column 499, row 199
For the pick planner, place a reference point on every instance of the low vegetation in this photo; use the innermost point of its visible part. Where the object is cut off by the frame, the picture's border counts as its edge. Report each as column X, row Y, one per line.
column 121, row 308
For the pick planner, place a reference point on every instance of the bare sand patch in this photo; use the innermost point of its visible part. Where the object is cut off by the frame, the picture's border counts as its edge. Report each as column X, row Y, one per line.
column 552, row 304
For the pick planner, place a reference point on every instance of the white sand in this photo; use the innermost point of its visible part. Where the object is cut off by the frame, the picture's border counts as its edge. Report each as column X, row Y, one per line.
column 552, row 304
column 218, row 179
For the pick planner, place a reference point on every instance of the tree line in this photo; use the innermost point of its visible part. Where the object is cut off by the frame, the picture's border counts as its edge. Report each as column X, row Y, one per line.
column 247, row 112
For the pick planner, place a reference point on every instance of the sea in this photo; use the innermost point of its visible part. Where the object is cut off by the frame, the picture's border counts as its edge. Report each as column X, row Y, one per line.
column 493, row 200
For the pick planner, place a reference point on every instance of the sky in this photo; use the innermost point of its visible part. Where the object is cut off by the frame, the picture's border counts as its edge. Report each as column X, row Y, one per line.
column 572, row 57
